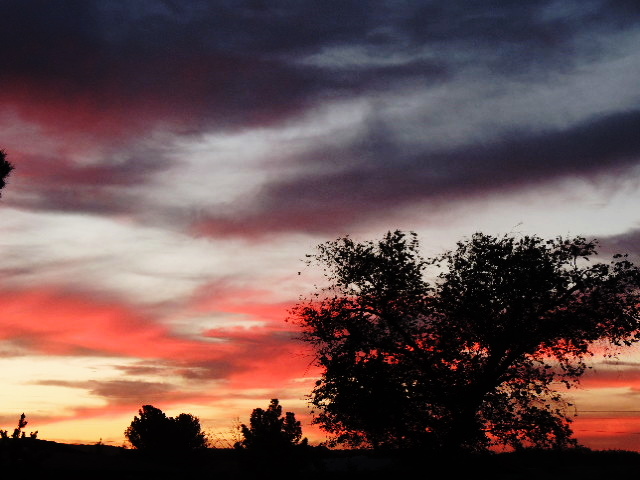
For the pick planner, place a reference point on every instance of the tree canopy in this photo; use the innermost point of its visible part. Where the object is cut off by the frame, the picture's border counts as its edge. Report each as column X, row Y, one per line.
column 268, row 430
column 154, row 432
column 473, row 358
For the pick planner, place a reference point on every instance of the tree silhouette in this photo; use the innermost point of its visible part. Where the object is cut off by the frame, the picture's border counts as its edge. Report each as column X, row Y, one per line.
column 5, row 168
column 268, row 430
column 18, row 433
column 471, row 359
column 154, row 432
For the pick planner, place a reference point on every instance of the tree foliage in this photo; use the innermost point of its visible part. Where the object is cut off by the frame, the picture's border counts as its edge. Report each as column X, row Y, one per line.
column 18, row 433
column 5, row 168
column 471, row 359
column 268, row 430
column 154, row 432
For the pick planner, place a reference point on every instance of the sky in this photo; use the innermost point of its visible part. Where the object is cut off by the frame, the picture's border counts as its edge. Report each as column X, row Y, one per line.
column 176, row 160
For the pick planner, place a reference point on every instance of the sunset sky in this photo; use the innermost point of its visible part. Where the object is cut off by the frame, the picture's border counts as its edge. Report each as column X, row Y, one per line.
column 176, row 160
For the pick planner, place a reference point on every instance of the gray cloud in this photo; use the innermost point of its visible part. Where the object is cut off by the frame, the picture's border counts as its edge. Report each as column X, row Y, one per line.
column 210, row 370
column 242, row 63
column 109, row 71
column 106, row 186
column 376, row 175
column 119, row 392
column 624, row 243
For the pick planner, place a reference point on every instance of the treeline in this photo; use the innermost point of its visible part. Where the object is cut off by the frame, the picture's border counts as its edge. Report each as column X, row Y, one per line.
column 161, row 446
column 268, row 430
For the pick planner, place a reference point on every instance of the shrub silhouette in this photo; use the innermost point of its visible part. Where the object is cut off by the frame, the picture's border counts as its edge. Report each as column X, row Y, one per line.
column 268, row 430
column 17, row 449
column 17, row 432
column 154, row 432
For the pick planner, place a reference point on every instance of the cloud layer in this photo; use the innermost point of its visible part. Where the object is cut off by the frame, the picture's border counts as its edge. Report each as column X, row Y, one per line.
column 111, row 75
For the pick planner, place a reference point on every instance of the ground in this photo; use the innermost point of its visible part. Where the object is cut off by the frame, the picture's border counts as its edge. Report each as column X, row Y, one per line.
column 42, row 459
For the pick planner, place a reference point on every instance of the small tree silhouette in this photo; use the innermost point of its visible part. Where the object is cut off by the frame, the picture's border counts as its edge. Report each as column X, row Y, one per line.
column 17, row 432
column 154, row 432
column 188, row 432
column 269, row 431
column 17, row 450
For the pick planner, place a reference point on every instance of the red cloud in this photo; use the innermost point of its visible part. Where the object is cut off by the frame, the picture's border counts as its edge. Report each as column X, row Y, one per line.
column 608, row 433
column 612, row 377
column 270, row 353
column 51, row 322
column 46, row 321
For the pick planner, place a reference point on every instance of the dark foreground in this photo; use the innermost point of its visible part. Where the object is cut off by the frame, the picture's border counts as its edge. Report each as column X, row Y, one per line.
column 42, row 459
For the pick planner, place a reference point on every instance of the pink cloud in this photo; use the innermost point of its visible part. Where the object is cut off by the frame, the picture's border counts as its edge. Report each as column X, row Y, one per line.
column 608, row 433
column 271, row 354
column 50, row 322
column 612, row 377
column 58, row 323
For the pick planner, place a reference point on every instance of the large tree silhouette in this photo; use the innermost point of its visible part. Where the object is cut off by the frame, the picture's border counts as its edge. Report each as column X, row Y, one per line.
column 473, row 358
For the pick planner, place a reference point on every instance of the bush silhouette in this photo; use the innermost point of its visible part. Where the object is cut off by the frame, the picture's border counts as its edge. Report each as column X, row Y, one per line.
column 268, row 430
column 154, row 432
column 17, row 432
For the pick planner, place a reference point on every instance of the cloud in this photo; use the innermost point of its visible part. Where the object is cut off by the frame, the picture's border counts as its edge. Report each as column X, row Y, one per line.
column 108, row 186
column 608, row 433
column 613, row 377
column 149, row 359
column 51, row 322
column 120, row 70
column 120, row 392
column 377, row 176
column 623, row 243
column 112, row 76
